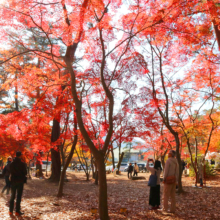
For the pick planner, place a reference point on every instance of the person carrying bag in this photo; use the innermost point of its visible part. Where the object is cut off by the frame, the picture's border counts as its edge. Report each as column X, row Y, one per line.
column 154, row 183
column 171, row 173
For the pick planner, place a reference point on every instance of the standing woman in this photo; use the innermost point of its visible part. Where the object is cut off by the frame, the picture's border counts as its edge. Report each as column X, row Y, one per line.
column 6, row 173
column 154, row 199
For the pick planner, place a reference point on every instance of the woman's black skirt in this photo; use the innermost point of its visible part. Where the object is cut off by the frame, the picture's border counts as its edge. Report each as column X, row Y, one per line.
column 154, row 199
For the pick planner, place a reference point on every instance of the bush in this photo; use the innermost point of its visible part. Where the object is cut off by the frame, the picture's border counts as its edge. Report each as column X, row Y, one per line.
column 209, row 170
column 217, row 166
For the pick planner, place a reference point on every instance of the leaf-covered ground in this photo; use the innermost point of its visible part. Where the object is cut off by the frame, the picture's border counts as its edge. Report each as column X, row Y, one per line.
column 40, row 202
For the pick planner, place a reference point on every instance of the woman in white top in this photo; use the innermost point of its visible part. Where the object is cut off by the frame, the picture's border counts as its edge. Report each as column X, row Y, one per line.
column 154, row 198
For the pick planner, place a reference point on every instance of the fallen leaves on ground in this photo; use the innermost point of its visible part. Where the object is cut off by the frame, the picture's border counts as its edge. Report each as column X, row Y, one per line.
column 40, row 202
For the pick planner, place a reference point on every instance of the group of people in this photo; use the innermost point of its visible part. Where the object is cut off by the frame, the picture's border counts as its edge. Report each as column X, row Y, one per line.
column 15, row 173
column 170, row 180
column 132, row 169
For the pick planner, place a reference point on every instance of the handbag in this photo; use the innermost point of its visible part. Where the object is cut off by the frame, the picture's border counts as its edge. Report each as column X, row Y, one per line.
column 171, row 179
column 152, row 180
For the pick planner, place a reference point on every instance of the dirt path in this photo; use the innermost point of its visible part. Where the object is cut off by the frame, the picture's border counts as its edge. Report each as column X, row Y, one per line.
column 40, row 201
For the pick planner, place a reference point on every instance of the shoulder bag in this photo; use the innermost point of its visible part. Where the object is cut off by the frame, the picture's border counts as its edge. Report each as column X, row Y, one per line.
column 171, row 179
column 152, row 180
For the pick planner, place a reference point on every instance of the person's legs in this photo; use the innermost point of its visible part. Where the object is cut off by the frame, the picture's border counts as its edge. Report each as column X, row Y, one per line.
column 152, row 199
column 173, row 198
column 128, row 175
column 19, row 195
column 157, row 195
column 166, row 195
column 13, row 193
column 5, row 187
column 201, row 182
column 8, row 184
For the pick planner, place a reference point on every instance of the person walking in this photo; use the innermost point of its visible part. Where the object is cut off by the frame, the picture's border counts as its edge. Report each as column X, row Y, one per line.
column 136, row 169
column 6, row 173
column 171, row 173
column 154, row 198
column 18, row 174
column 130, row 170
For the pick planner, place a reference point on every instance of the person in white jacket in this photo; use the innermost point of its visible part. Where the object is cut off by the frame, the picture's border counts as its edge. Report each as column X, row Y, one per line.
column 169, row 191
column 154, row 198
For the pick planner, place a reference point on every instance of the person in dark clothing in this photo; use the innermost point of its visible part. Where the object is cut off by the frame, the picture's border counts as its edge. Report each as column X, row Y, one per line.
column 154, row 198
column 183, row 165
column 130, row 170
column 18, row 174
column 6, row 173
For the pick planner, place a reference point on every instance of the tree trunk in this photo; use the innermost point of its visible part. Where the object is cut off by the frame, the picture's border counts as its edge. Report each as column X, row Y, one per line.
column 61, row 183
column 56, row 165
column 113, row 159
column 92, row 166
column 119, row 162
column 96, row 177
column 103, row 202
column 66, row 164
column 87, row 176
column 47, row 162
column 180, row 187
column 16, row 93
column 162, row 161
column 39, row 170
column 55, row 154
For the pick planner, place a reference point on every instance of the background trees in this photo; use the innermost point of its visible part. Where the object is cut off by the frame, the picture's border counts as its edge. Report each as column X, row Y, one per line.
column 87, row 68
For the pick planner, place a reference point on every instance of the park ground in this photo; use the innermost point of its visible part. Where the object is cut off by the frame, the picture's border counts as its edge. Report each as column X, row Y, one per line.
column 40, row 202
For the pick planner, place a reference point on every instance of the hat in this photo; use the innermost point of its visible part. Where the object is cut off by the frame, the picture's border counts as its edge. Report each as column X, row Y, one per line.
column 9, row 158
column 18, row 153
column 172, row 152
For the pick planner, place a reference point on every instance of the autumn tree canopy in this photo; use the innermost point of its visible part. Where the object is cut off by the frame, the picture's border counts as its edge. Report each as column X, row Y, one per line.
column 109, row 70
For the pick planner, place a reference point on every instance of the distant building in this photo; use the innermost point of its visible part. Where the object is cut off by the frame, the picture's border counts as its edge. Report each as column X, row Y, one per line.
column 133, row 156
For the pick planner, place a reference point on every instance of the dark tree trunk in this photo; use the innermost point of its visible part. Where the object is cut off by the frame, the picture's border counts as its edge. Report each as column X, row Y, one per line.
column 39, row 172
column 103, row 204
column 47, row 163
column 56, row 165
column 96, row 175
column 16, row 94
column 92, row 166
column 113, row 159
column 63, row 174
column 119, row 162
column 55, row 154
column 178, row 157
column 87, row 176
column 162, row 161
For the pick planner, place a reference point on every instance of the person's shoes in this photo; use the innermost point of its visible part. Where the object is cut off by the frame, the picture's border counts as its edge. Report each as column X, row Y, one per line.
column 154, row 208
column 157, row 207
column 162, row 210
column 19, row 213
column 10, row 213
